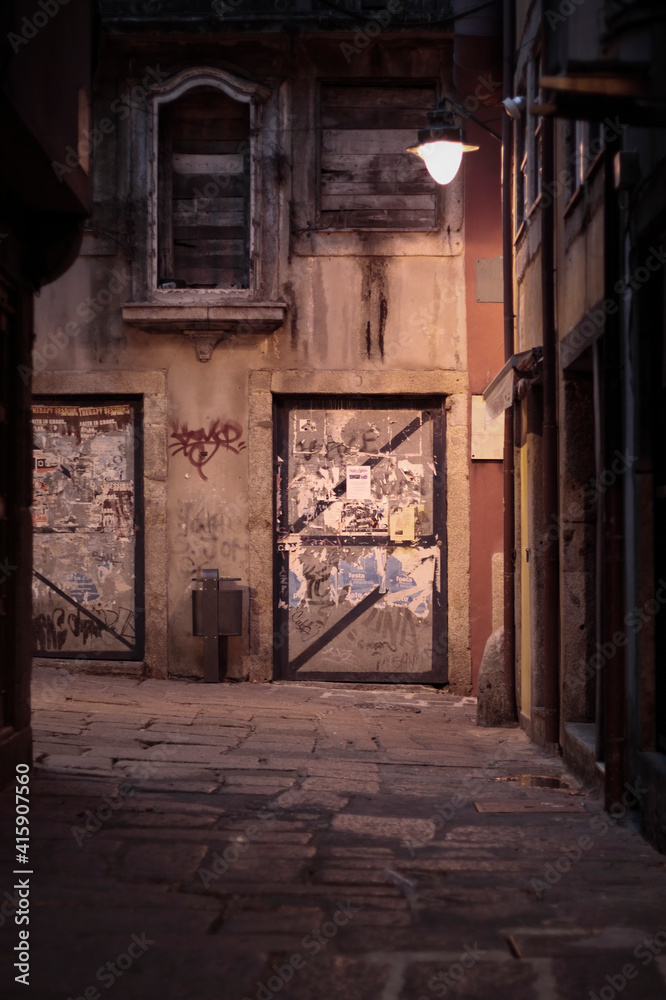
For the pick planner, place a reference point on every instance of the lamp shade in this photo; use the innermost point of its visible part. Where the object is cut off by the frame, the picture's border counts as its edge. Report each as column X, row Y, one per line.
column 441, row 146
column 441, row 158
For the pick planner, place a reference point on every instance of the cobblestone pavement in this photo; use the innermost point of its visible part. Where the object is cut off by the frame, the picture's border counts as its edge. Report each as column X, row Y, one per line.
column 316, row 842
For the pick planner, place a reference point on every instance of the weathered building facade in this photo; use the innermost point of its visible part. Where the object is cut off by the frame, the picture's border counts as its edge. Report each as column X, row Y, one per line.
column 588, row 173
column 45, row 73
column 269, row 356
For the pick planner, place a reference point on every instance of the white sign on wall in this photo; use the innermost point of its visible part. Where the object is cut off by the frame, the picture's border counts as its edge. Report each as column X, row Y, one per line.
column 487, row 439
column 359, row 483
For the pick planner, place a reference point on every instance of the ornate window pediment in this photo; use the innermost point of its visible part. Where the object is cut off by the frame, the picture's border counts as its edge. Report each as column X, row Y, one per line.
column 207, row 231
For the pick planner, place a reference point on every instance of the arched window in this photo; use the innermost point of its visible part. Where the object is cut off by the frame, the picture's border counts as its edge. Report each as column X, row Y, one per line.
column 205, row 190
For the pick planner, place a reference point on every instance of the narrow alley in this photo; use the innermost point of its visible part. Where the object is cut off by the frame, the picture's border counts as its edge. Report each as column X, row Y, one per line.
column 311, row 841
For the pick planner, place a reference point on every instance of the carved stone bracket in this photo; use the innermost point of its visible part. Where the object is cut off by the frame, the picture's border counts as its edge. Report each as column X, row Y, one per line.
column 204, row 344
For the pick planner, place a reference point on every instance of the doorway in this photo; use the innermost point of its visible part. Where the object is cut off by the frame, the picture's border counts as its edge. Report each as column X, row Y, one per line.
column 360, row 517
column 88, row 558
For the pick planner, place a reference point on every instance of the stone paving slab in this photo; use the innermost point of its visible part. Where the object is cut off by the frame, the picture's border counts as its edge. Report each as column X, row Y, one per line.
column 314, row 842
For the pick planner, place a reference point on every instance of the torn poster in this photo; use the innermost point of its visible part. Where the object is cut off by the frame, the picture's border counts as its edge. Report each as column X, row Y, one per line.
column 364, row 518
column 84, row 518
column 402, row 524
column 359, row 482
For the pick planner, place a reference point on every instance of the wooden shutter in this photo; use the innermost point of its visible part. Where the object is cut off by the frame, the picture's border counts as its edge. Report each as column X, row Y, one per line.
column 204, row 191
column 366, row 179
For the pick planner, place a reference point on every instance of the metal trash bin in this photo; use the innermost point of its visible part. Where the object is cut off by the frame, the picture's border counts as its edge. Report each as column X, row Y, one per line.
column 217, row 613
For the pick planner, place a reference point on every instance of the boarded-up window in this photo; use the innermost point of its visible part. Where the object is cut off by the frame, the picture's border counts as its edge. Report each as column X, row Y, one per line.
column 204, row 191
column 366, row 179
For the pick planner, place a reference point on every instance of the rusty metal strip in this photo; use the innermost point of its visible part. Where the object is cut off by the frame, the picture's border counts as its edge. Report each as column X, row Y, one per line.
column 98, row 621
column 337, row 629
column 374, row 460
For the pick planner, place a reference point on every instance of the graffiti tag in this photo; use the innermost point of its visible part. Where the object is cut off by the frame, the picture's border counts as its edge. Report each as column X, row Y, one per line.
column 305, row 624
column 48, row 631
column 51, row 630
column 200, row 446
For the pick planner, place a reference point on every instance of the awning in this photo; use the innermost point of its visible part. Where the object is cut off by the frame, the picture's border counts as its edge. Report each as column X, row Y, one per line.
column 500, row 393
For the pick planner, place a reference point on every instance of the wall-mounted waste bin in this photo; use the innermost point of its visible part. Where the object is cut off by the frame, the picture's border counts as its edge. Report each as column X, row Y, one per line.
column 217, row 612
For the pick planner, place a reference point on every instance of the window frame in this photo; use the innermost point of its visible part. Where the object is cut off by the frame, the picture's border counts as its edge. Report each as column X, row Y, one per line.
column 246, row 92
column 528, row 149
column 322, row 83
column 520, row 170
column 579, row 136
column 533, row 138
column 306, row 239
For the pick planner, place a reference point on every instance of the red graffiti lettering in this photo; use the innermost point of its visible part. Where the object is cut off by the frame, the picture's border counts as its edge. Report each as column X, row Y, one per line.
column 201, row 445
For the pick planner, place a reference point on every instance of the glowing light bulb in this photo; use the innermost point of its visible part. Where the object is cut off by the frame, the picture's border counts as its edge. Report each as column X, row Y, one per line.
column 442, row 159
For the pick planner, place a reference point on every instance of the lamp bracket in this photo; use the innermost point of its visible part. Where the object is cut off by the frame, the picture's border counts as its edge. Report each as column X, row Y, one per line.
column 441, row 110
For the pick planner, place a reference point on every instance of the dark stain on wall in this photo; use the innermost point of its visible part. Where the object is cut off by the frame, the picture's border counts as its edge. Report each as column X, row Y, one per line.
column 291, row 299
column 374, row 296
column 383, row 316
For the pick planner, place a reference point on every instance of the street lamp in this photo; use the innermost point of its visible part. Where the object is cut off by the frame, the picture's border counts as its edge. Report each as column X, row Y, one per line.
column 442, row 144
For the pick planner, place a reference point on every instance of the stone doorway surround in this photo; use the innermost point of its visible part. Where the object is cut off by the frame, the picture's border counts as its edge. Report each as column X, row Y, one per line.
column 152, row 387
column 263, row 386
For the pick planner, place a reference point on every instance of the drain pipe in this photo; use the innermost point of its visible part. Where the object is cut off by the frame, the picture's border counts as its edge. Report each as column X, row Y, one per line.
column 508, row 31
column 551, row 569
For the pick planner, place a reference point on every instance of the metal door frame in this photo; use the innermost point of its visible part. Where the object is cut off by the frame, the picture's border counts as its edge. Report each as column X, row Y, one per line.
column 282, row 405
column 135, row 651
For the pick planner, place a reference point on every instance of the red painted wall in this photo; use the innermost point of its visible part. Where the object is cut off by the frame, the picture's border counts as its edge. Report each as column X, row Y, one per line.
column 485, row 347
